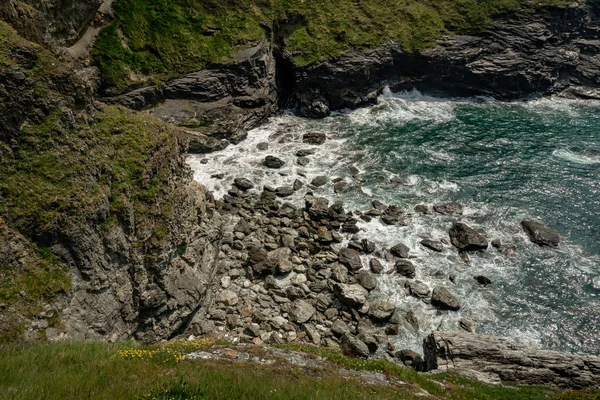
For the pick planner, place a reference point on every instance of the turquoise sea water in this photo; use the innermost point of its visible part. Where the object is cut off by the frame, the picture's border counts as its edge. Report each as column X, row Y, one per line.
column 505, row 162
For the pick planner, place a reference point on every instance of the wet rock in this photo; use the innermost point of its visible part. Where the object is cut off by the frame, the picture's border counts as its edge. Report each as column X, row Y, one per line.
column 366, row 279
column 202, row 144
column 341, row 187
column 412, row 320
column 316, row 138
column 540, row 234
column 367, row 246
column 394, row 216
column 376, row 266
column 433, row 245
column 443, row 299
column 464, row 256
column 262, row 146
column 353, row 347
column 449, row 208
column 284, row 191
column 497, row 243
column 297, row 185
column 243, row 184
column 508, row 250
column 418, row 289
column 400, row 250
column 411, row 359
column 405, row 268
column 351, row 295
column 466, row 238
column 273, row 162
column 351, row 259
column 301, row 311
column 319, row 181
column 303, row 161
column 381, row 310
column 483, row 280
column 305, row 152
column 467, row 325
column 422, row 209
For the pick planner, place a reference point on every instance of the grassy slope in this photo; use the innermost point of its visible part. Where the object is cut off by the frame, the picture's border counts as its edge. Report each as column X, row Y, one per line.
column 158, row 39
column 127, row 371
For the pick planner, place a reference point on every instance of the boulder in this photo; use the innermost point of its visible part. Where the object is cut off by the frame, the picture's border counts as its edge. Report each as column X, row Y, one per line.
column 341, row 187
column 316, row 138
column 366, row 279
column 351, row 259
column 400, row 250
column 351, row 295
column 273, row 162
column 405, row 268
column 411, row 359
column 301, row 311
column 284, row 191
column 303, row 161
column 433, row 245
column 376, row 266
column 353, row 347
column 418, row 289
column 381, row 310
column 243, row 183
column 443, row 299
column 319, row 181
column 541, row 234
column 449, row 208
column 466, row 238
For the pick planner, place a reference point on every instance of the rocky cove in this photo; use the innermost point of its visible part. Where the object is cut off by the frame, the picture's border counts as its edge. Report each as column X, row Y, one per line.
column 277, row 264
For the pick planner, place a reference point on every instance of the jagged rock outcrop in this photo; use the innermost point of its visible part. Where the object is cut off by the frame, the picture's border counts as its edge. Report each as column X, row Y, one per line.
column 531, row 54
column 221, row 102
column 497, row 360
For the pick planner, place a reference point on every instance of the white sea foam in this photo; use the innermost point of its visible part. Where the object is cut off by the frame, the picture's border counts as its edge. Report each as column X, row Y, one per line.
column 577, row 158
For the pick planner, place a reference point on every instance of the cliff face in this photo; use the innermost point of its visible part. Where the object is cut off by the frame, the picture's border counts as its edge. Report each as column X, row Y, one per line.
column 551, row 52
column 103, row 232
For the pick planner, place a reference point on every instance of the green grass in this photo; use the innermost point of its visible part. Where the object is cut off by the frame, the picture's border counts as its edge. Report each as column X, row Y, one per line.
column 129, row 371
column 153, row 40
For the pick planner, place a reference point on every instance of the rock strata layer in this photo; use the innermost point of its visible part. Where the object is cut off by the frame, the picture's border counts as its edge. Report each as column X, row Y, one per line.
column 497, row 360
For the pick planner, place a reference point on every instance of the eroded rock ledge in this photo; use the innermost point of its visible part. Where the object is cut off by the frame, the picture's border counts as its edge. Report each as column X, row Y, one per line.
column 496, row 359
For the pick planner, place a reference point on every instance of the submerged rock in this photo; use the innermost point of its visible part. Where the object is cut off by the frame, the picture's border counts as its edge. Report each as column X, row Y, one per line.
column 466, row 238
column 541, row 234
column 449, row 208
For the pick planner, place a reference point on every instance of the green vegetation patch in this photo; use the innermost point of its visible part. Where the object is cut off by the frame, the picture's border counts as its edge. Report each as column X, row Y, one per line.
column 66, row 171
column 129, row 371
column 153, row 40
